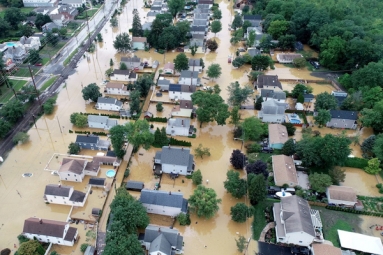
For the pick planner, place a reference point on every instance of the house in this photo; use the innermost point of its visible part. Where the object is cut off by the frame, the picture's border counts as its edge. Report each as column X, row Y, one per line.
column 50, row 231
column 179, row 126
column 16, row 53
column 298, row 46
column 189, row 78
column 294, row 223
column 92, row 142
column 115, row 88
column 277, row 136
column 174, row 160
column 169, row 68
column 30, row 21
column 325, row 249
column 90, row 250
column 343, row 119
column 255, row 20
column 59, row 20
column 39, row 3
column 308, row 98
column 341, row 196
column 284, row 171
column 103, row 122
column 123, row 75
column 268, row 82
column 49, row 26
column 64, row 195
column 74, row 3
column 268, row 94
column 133, row 63
column 147, row 26
column 181, row 92
column 195, row 65
column 162, row 241
column 199, row 23
column 163, row 84
column 156, row 9
column 340, row 96
column 253, row 52
column 163, row 202
column 70, row 12
column 358, row 242
column 108, row 104
column 139, row 43
column 202, row 8
column 184, row 109
column 72, row 169
column 195, row 41
column 42, row 11
column 200, row 30
column 134, row 185
column 287, row 58
column 272, row 111
column 31, row 42
column 203, row 16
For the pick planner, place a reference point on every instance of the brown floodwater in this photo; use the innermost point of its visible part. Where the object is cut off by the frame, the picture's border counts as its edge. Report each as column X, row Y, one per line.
column 362, row 182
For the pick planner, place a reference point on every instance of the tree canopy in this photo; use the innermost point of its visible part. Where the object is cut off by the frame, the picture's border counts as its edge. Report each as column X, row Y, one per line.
column 181, row 62
column 204, row 202
column 12, row 111
column 325, row 101
column 91, row 92
column 238, row 95
column 320, row 182
column 253, row 129
column 373, row 117
column 138, row 133
column 214, row 71
column 234, row 184
column 240, row 212
column 176, row 6
column 257, row 188
column 122, row 43
column 238, row 159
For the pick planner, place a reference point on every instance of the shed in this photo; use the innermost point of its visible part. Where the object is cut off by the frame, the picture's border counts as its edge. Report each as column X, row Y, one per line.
column 134, row 185
column 148, row 115
column 90, row 250
column 96, row 211
column 360, row 242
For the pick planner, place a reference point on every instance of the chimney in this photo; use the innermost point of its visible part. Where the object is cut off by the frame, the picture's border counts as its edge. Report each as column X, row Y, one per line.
column 40, row 221
column 170, row 193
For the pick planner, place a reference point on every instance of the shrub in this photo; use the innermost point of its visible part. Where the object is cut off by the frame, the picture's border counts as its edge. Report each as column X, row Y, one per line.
column 21, row 137
column 5, row 251
column 22, row 239
column 176, row 142
column 253, row 148
column 197, row 177
column 356, row 162
column 379, row 185
column 83, row 247
column 159, row 119
column 159, row 107
column 184, row 219
column 127, row 173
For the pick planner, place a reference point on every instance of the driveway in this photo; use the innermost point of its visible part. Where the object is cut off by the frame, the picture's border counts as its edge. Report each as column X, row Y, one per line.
column 272, row 249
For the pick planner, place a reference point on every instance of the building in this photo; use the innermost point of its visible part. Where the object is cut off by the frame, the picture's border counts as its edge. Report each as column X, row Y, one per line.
column 75, row 169
column 195, row 65
column 341, row 196
column 97, row 182
column 284, row 171
column 199, row 23
column 199, row 30
column 39, row 3
column 168, row 68
column 147, row 26
column 162, row 240
column 181, row 92
column 133, row 63
column 139, row 43
column 206, row 2
column 340, row 96
column 255, row 20
column 59, row 20
column 163, row 84
column 103, row 122
column 70, row 12
column 279, row 96
column 272, row 112
column 74, row 3
column 325, row 249
column 287, row 58
column 179, row 126
column 151, row 16
column 189, row 78
column 163, row 202
column 64, row 195
column 115, row 88
column 50, row 231
column 17, row 53
column 268, row 82
column 49, row 26
column 277, row 136
column 123, row 75
column 134, row 185
column 308, row 98
column 184, row 109
column 174, row 160
column 359, row 242
column 108, row 104
column 294, row 223
column 32, row 42
column 200, row 43
column 92, row 142
column 253, row 52
column 343, row 119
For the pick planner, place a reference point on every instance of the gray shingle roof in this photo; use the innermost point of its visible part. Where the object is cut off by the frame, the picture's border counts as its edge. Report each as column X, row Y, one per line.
column 123, row 72
column 57, row 190
column 308, row 96
column 97, row 181
column 272, row 107
column 268, row 80
column 198, row 29
column 179, row 122
column 199, row 22
column 44, row 227
column 194, row 62
column 160, row 244
column 253, row 52
column 77, row 196
column 347, row 115
column 134, row 185
column 163, row 198
column 87, row 139
column 188, row 74
column 174, row 87
column 269, row 93
column 163, row 82
column 109, row 100
column 171, row 235
column 97, row 118
column 176, row 156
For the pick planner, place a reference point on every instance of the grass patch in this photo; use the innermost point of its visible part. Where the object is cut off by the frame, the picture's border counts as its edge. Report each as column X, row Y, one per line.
column 265, row 156
column 88, row 13
column 51, row 51
column 22, row 72
column 48, row 83
column 23, row 10
column 259, row 216
column 68, row 59
column 45, row 60
column 7, row 93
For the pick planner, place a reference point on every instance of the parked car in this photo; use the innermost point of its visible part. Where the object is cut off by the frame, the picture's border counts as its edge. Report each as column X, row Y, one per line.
column 315, row 64
column 38, row 64
column 267, row 150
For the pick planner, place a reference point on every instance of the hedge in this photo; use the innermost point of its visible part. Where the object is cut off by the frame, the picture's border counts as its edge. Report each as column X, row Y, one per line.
column 88, row 133
column 159, row 119
column 336, row 208
column 102, row 114
column 176, row 142
column 356, row 162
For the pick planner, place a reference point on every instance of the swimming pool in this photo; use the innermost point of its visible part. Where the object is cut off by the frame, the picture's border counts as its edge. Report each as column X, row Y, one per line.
column 10, row 44
column 110, row 173
column 294, row 118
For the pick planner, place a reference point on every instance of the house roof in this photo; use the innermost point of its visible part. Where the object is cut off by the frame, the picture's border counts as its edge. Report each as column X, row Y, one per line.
column 134, row 185
column 277, row 134
column 188, row 74
column 114, row 85
column 296, row 215
column 87, row 139
column 109, row 100
column 253, row 51
column 175, row 87
column 163, row 198
column 252, row 17
column 139, row 39
column 179, row 122
column 97, row 181
column 89, row 250
column 160, row 244
column 123, row 72
column 152, row 14
column 186, row 104
column 273, row 107
column 199, row 22
column 195, row 42
column 198, row 29
column 204, row 16
column 156, row 8
column 308, row 96
column 269, row 93
column 360, row 242
column 341, row 114
column 147, row 26
column 342, row 193
column 325, row 249
column 205, row 1
column 268, row 80
column 77, row 196
column 198, row 37
column 284, row 170
column 98, row 118
column 57, row 190
column 171, row 235
column 194, row 62
column 72, row 165
column 133, row 59
column 163, row 82
column 288, row 56
column 133, row 75
column 72, row 1
column 175, row 156
column 188, row 88
column 169, row 65
column 70, row 234
column 44, row 227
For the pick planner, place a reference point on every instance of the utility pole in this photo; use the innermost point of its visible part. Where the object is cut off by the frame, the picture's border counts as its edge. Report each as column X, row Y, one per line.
column 59, row 123
column 34, row 120
column 34, row 84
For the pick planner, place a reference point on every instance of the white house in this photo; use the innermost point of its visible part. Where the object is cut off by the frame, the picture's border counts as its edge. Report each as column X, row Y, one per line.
column 163, row 202
column 179, row 126
column 268, row 94
column 341, row 196
column 64, row 195
column 32, row 42
column 123, row 75
column 294, row 223
column 139, row 43
column 50, row 231
column 272, row 112
column 39, row 3
column 103, row 122
column 75, row 169
column 287, row 58
column 115, row 88
column 59, row 20
column 168, row 68
column 109, row 104
column 174, row 160
column 133, row 63
column 181, row 92
column 163, row 84
column 189, row 78
column 160, row 240
column 195, row 65
column 74, row 3
column 184, row 109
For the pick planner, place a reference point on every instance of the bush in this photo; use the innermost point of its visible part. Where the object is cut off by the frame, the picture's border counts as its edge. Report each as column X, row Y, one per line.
column 5, row 252
column 22, row 239
column 356, row 163
column 253, row 148
column 49, row 105
column 176, row 142
column 159, row 107
column 197, row 177
column 21, row 137
column 127, row 173
column 159, row 119
column 184, row 219
column 83, row 247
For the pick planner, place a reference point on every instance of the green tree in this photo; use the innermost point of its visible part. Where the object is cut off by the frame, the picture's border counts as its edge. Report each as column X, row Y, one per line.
column 169, row 38
column 81, row 120
column 21, row 137
column 63, row 32
column 181, row 62
column 251, row 39
column 214, row 71
column 378, row 147
column 41, row 20
column 83, row 247
column 287, row 42
column 159, row 24
column 114, row 22
column 252, row 129
column 261, row 62
column 301, row 89
column 216, row 27
column 337, row 175
column 238, row 62
column 210, row 107
column 12, row 111
column 143, row 84
column 176, row 6
column 216, row 89
column 257, row 188
column 5, row 127
column 325, row 101
column 299, row 62
column 370, row 75
column 134, row 103
column 13, row 16
column 258, row 103
column 373, row 117
column 201, row 151
column 235, row 116
column 184, row 29
column 99, row 37
column 159, row 107
column 91, row 92
column 197, row 177
column 368, row 146
column 32, row 247
column 288, row 148
column 27, row 93
column 234, row 184
column 138, row 133
column 52, row 39
column 237, row 22
column 246, row 24
column 204, row 202
column 320, row 182
column 241, row 243
column 373, row 166
column 8, row 251
column 301, row 99
column 111, row 63
column 240, row 212
column 238, row 95
column 371, row 96
column 322, row 117
column 120, row 242
column 49, row 106
column 278, row 28
column 117, row 138
column 74, row 148
column 211, row 44
column 333, row 53
column 290, row 128
column 217, row 14
column 123, row 66
column 266, row 42
column 237, row 36
column 122, row 43
column 26, row 30
column 136, row 25
column 34, row 56
column 5, row 27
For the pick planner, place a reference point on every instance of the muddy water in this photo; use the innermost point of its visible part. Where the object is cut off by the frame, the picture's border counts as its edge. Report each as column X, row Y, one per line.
column 363, row 183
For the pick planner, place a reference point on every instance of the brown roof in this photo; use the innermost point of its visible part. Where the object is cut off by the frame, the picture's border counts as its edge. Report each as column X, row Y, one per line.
column 44, row 227
column 169, row 65
column 93, row 166
column 105, row 159
column 326, row 249
column 114, row 85
column 277, row 134
column 186, row 104
column 139, row 39
column 72, row 165
column 284, row 170
column 187, row 88
column 342, row 193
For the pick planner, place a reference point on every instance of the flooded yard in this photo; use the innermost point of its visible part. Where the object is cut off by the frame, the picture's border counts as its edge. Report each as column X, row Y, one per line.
column 362, row 182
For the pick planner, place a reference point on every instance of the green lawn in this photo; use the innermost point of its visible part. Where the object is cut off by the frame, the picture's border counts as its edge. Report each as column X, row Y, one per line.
column 8, row 93
column 90, row 14
column 23, row 9
column 22, row 72
column 48, row 83
column 67, row 60
column 259, row 216
column 51, row 51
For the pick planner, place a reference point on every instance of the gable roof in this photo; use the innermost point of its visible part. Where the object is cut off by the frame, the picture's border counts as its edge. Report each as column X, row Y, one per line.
column 114, row 85
column 198, row 29
column 163, row 82
column 109, row 100
column 194, row 62
column 98, row 118
column 341, row 114
column 87, row 139
column 288, row 56
column 77, row 196
column 172, row 235
column 199, row 22
column 174, row 87
column 273, row 107
column 160, row 244
column 342, row 193
column 277, row 134
column 163, row 198
column 186, row 104
column 134, row 185
column 268, row 80
column 269, row 93
column 253, row 51
column 57, row 190
column 44, row 227
column 179, row 122
column 118, row 71
column 72, row 165
column 188, row 74
column 175, row 156
column 139, row 39
column 284, row 170
column 308, row 96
